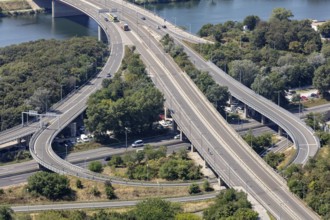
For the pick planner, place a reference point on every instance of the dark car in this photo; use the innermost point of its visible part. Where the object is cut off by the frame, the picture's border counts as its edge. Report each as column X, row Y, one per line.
column 107, row 158
column 143, row 18
column 164, row 26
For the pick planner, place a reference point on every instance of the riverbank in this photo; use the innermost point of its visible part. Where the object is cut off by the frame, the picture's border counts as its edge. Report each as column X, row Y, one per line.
column 18, row 7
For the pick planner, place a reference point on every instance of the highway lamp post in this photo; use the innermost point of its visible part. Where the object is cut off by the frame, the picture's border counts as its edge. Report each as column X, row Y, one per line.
column 126, row 137
column 278, row 97
column 147, row 172
column 85, row 164
column 66, row 151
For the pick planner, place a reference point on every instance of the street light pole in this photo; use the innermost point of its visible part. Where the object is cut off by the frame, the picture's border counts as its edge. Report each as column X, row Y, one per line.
column 126, row 137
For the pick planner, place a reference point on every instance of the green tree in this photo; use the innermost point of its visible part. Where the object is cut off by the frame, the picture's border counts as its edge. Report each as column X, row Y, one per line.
column 116, row 161
column 324, row 29
column 315, row 120
column 244, row 71
column 95, row 166
column 230, row 204
column 206, row 186
column 156, row 209
column 281, row 14
column 187, row 216
column 274, row 159
column 251, row 21
column 79, row 184
column 110, row 192
column 6, row 213
column 194, row 189
column 51, row 185
column 321, row 80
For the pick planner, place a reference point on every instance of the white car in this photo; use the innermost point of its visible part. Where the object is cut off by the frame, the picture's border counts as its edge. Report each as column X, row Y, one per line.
column 138, row 143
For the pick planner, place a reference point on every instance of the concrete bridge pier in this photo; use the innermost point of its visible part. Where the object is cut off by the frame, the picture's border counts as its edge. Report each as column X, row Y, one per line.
column 221, row 182
column 192, row 148
column 263, row 119
column 101, row 36
column 175, row 128
column 280, row 131
column 62, row 10
column 245, row 112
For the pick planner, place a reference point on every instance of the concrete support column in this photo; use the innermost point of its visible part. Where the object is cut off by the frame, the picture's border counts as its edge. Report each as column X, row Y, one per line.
column 193, row 149
column 206, row 165
column 280, row 131
column 263, row 119
column 245, row 112
column 230, row 99
column 73, row 127
column 221, row 182
column 62, row 10
column 175, row 127
column 181, row 135
column 165, row 113
column 19, row 140
column 101, row 36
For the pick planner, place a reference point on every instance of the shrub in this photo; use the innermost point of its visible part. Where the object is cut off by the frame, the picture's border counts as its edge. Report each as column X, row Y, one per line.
column 95, row 166
column 194, row 189
column 79, row 184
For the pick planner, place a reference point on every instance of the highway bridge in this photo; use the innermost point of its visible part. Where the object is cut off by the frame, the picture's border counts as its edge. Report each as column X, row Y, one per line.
column 221, row 147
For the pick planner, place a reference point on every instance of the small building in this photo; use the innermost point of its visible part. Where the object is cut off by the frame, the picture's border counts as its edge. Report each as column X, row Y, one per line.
column 316, row 23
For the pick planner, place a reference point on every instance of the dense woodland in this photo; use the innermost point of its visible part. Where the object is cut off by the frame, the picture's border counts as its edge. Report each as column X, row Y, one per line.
column 127, row 102
column 35, row 75
column 270, row 56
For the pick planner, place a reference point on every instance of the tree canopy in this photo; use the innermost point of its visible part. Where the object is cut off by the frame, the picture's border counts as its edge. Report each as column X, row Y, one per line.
column 51, row 185
column 129, row 101
column 37, row 74
column 230, row 204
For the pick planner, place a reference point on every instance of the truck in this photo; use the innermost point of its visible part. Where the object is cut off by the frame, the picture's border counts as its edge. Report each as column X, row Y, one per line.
column 125, row 27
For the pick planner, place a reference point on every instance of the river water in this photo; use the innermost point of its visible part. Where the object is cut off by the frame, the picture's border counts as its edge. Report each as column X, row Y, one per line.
column 192, row 15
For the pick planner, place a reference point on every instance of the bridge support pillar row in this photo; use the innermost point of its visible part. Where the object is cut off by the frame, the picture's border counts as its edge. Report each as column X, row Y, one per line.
column 101, row 36
column 245, row 113
column 263, row 119
column 280, row 131
column 62, row 10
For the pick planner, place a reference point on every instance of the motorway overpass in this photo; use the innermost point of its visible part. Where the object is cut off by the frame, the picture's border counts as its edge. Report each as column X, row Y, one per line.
column 222, row 148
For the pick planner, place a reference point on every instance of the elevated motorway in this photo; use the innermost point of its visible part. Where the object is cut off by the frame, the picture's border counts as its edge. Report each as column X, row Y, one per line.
column 222, row 148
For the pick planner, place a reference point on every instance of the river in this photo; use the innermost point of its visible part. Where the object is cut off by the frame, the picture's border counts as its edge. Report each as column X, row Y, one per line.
column 192, row 15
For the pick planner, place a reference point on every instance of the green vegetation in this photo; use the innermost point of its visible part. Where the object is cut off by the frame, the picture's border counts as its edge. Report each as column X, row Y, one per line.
column 35, row 75
column 50, row 185
column 324, row 29
column 311, row 182
column 259, row 143
column 274, row 159
column 194, row 189
column 6, row 213
column 14, row 155
column 95, row 166
column 218, row 95
column 129, row 101
column 152, row 163
column 229, row 205
column 272, row 56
